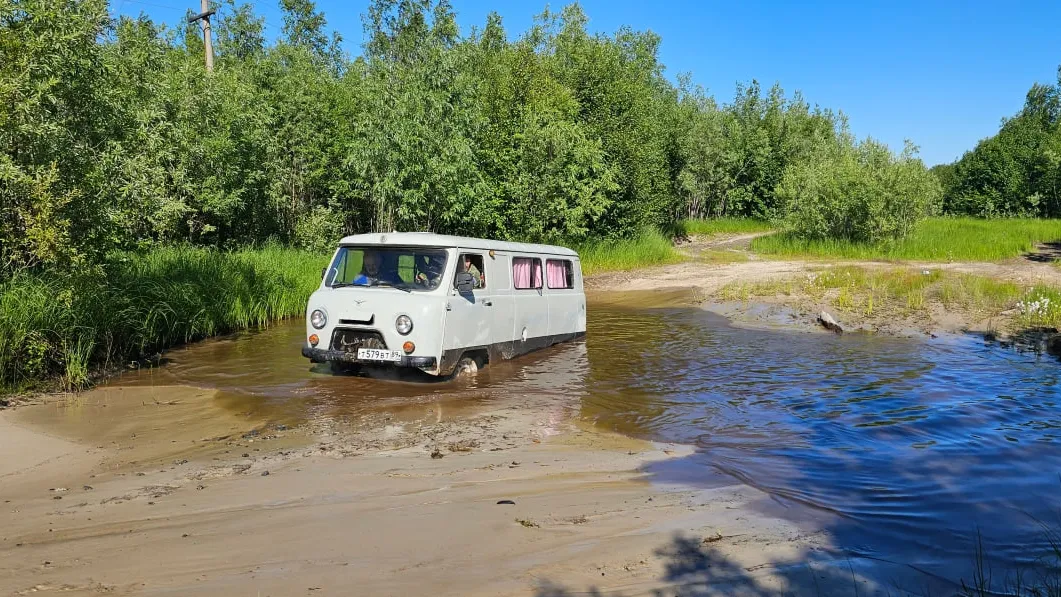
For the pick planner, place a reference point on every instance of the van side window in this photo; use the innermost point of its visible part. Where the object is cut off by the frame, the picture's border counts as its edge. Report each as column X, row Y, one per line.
column 560, row 273
column 526, row 273
column 473, row 263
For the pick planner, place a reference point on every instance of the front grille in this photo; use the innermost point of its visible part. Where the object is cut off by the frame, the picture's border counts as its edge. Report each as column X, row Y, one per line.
column 350, row 340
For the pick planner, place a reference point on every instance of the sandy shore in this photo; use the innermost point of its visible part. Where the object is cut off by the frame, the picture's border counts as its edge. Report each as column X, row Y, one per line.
column 381, row 506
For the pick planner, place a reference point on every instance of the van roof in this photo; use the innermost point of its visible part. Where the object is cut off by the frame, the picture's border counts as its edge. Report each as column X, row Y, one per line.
column 430, row 239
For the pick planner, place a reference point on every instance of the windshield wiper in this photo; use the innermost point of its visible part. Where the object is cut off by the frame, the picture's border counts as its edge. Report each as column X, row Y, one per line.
column 402, row 286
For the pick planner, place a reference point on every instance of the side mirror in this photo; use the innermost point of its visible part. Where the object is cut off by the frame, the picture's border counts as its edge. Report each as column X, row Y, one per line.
column 324, row 271
column 464, row 282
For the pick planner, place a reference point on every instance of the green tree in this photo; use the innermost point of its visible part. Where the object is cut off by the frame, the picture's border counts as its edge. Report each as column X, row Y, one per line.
column 1015, row 172
column 859, row 192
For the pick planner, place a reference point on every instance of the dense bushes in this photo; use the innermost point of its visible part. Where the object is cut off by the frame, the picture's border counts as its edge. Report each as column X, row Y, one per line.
column 112, row 137
column 734, row 157
column 856, row 192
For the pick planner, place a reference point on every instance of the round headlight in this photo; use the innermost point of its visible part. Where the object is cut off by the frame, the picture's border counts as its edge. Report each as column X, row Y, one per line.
column 318, row 319
column 403, row 324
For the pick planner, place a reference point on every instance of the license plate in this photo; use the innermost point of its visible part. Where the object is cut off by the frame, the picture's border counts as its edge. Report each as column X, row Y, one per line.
column 376, row 354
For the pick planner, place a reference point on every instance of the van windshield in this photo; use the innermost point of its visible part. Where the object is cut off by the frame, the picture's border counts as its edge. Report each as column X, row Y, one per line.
column 410, row 268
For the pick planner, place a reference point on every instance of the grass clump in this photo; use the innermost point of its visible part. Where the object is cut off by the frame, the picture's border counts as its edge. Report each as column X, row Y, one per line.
column 933, row 239
column 649, row 248
column 1040, row 307
column 133, row 306
column 897, row 290
column 725, row 226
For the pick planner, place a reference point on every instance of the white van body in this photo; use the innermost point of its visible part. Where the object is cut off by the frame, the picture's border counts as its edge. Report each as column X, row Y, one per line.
column 531, row 296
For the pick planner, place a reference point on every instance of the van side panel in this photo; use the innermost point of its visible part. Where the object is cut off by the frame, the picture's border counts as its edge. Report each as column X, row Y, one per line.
column 507, row 322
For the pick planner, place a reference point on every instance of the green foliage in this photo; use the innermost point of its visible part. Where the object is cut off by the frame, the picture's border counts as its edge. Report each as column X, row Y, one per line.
column 58, row 109
column 735, row 157
column 858, row 193
column 112, row 136
column 725, row 226
column 934, row 239
column 648, row 248
column 1017, row 172
column 66, row 325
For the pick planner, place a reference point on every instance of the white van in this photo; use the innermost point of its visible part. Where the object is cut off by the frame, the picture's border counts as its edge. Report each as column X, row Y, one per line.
column 442, row 304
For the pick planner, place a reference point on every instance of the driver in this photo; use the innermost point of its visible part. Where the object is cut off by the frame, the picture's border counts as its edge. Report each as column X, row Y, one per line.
column 370, row 273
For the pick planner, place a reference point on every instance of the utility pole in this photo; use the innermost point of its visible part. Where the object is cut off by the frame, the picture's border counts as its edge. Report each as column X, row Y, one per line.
column 204, row 20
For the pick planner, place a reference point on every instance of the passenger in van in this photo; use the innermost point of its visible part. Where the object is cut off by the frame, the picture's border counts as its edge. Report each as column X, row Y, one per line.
column 370, row 271
column 474, row 271
column 430, row 273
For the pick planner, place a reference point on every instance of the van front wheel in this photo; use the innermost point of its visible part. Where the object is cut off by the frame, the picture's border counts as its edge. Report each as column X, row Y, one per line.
column 466, row 367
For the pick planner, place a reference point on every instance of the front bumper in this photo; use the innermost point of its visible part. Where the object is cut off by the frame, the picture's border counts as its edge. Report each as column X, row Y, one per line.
column 321, row 355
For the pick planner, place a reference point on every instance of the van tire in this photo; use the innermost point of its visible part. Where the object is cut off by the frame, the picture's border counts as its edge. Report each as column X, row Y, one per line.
column 466, row 367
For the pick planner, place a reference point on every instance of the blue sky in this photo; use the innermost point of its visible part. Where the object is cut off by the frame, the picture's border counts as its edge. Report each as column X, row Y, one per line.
column 942, row 74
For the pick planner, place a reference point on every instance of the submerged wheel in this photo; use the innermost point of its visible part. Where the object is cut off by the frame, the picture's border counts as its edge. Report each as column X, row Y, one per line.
column 466, row 367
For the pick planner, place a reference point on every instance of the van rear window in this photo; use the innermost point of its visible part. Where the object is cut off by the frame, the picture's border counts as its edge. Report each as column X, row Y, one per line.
column 560, row 273
column 526, row 273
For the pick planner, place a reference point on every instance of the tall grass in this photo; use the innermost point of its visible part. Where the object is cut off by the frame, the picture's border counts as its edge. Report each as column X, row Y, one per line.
column 66, row 326
column 934, row 239
column 650, row 248
column 725, row 226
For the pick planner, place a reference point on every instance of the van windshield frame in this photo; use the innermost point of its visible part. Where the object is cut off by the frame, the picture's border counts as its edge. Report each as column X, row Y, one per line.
column 411, row 269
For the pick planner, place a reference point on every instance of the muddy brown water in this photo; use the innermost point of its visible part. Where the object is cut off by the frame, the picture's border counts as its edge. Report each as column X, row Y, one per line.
column 899, row 450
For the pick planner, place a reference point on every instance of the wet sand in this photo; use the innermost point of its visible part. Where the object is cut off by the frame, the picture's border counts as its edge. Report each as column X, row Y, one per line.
column 174, row 495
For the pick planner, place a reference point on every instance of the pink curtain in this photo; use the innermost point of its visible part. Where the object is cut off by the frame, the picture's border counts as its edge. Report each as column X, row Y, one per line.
column 521, row 272
column 537, row 273
column 556, row 273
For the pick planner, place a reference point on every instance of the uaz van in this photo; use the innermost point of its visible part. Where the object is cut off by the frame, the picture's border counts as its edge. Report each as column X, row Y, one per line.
column 442, row 304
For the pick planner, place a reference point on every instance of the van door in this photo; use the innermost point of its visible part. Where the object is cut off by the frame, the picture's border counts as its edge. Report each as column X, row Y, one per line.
column 499, row 285
column 469, row 315
column 566, row 306
column 531, row 330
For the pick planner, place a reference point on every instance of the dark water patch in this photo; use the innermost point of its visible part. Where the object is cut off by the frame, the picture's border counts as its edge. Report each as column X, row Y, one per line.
column 908, row 448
